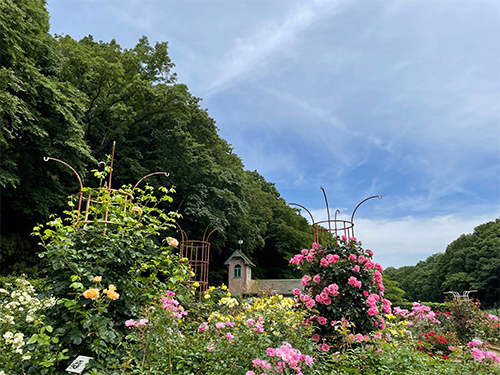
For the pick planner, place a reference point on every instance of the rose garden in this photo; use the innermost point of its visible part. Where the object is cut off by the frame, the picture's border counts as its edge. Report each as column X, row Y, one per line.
column 120, row 294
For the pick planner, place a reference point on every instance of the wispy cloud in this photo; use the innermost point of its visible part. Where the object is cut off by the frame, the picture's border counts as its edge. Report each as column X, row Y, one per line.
column 270, row 39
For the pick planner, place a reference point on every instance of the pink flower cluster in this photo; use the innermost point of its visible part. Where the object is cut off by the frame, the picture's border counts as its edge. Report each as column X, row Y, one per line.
column 399, row 311
column 203, row 327
column 354, row 282
column 493, row 317
column 171, row 304
column 479, row 355
column 132, row 323
column 307, row 300
column 288, row 357
column 422, row 312
column 358, row 337
column 258, row 326
column 365, row 275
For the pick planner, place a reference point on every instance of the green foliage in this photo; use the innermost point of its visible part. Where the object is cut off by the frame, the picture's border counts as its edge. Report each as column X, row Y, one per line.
column 393, row 358
column 226, row 341
column 393, row 292
column 471, row 262
column 39, row 116
column 122, row 250
column 131, row 96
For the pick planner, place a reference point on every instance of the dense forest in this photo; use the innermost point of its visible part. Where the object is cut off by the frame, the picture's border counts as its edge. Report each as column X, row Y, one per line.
column 471, row 262
column 71, row 100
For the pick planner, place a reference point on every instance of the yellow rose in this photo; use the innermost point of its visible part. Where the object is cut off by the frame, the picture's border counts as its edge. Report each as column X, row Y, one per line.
column 91, row 293
column 113, row 295
column 112, row 288
column 97, row 279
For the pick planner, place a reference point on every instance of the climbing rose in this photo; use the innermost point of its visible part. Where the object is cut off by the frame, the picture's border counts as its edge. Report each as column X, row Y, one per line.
column 305, row 280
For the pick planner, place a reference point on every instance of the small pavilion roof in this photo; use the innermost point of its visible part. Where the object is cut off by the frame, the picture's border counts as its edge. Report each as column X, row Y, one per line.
column 239, row 254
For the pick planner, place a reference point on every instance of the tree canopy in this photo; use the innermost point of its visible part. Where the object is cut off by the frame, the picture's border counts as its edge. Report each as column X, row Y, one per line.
column 471, row 262
column 71, row 100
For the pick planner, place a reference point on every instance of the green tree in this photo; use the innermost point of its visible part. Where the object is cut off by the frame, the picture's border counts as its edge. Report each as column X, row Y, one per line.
column 61, row 95
column 39, row 116
column 471, row 262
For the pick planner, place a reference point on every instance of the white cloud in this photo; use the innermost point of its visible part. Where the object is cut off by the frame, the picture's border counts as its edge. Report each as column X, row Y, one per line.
column 272, row 38
column 406, row 241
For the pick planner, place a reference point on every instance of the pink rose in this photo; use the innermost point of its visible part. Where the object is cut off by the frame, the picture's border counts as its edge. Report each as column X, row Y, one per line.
column 305, row 280
column 373, row 311
column 322, row 320
column 478, row 354
column 310, row 304
column 173, row 242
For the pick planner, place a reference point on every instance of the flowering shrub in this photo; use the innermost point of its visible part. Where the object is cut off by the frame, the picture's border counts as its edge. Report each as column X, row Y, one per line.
column 468, row 321
column 342, row 282
column 224, row 339
column 282, row 358
column 124, row 252
column 20, row 308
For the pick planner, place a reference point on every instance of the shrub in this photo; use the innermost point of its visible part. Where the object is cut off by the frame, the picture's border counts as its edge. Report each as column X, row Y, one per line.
column 121, row 253
column 229, row 341
column 343, row 288
column 20, row 309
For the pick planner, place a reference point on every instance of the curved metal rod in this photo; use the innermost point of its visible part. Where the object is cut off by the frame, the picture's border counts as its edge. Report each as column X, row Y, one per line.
column 183, row 234
column 296, row 204
column 46, row 158
column 327, row 210
column 208, row 226
column 375, row 196
column 149, row 175
column 216, row 229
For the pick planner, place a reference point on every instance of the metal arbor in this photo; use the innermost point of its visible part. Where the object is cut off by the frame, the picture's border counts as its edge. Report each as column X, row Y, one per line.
column 87, row 201
column 327, row 230
column 464, row 296
column 198, row 254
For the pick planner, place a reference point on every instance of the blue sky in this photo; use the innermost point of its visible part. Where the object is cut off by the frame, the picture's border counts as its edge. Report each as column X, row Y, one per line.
column 393, row 98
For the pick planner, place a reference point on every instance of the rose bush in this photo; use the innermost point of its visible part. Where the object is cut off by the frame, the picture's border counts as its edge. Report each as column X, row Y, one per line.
column 127, row 250
column 343, row 287
column 227, row 337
